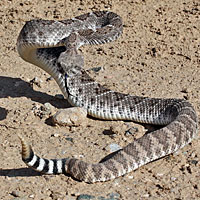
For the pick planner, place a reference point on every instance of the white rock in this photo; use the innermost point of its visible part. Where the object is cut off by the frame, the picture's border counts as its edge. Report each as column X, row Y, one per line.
column 74, row 116
column 113, row 147
column 49, row 108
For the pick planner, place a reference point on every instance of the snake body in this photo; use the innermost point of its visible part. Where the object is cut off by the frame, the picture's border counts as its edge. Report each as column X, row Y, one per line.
column 53, row 46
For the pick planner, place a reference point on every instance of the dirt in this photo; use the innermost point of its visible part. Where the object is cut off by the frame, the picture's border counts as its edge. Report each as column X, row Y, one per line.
column 158, row 55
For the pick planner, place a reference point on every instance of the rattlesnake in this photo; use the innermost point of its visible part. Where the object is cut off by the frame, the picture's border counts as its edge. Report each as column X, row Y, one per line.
column 52, row 45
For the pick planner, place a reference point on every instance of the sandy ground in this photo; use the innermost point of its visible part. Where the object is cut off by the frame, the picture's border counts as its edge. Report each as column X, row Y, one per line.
column 158, row 55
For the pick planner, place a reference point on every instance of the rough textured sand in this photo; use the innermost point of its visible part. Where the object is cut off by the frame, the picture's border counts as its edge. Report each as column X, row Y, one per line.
column 158, row 55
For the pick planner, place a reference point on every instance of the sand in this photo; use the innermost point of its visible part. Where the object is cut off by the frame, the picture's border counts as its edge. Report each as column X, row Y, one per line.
column 158, row 55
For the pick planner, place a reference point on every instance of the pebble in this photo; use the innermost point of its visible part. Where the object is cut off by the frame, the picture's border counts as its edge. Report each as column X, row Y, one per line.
column 185, row 90
column 113, row 147
column 49, row 78
column 85, row 196
column 74, row 116
column 70, row 139
column 111, row 196
column 41, row 111
column 131, row 131
column 15, row 193
column 193, row 155
column 78, row 156
column 159, row 174
column 96, row 69
column 36, row 81
column 47, row 109
column 55, row 135
column 173, row 178
column 146, row 195
column 114, row 196
column 194, row 162
column 31, row 196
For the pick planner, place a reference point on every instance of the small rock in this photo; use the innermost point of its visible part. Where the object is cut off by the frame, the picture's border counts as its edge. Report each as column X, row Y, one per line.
column 15, row 193
column 49, row 78
column 193, row 155
column 194, row 162
column 78, row 156
column 96, row 69
column 55, row 135
column 185, row 90
column 85, row 196
column 114, row 196
column 36, row 81
column 47, row 109
column 113, row 147
column 145, row 195
column 173, row 178
column 74, row 116
column 64, row 152
column 70, row 139
column 31, row 196
column 48, row 106
column 159, row 174
column 131, row 131
column 41, row 111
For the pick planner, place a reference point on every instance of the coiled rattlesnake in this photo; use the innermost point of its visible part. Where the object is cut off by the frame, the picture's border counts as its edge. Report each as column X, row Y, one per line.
column 53, row 45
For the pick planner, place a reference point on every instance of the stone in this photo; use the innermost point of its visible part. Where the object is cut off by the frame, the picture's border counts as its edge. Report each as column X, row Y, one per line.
column 48, row 109
column 113, row 147
column 36, row 81
column 131, row 131
column 96, row 69
column 85, row 196
column 74, row 116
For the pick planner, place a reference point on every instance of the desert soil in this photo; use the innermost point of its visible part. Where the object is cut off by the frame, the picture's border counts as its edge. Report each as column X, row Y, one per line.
column 158, row 55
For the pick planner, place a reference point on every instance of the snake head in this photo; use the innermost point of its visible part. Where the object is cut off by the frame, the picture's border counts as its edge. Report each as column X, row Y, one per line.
column 71, row 62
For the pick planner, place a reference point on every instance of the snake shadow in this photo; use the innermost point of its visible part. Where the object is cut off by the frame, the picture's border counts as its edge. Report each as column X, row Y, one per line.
column 21, row 172
column 3, row 113
column 16, row 87
column 25, row 172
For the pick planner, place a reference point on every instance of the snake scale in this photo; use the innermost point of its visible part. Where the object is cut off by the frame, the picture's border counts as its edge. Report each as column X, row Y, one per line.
column 53, row 46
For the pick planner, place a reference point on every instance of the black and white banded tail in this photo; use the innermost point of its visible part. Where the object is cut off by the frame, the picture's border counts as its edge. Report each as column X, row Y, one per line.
column 47, row 166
